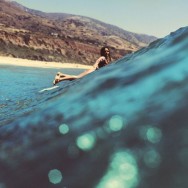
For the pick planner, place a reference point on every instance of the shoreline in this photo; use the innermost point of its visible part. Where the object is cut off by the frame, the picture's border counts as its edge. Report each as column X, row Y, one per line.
column 39, row 64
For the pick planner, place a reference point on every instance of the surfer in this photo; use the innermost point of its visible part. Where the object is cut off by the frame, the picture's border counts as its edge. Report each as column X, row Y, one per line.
column 102, row 61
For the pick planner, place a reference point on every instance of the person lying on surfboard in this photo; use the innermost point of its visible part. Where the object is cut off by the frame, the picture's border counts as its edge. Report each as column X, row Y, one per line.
column 102, row 61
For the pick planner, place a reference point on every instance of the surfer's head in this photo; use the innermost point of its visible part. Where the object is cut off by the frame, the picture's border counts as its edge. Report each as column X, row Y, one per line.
column 105, row 51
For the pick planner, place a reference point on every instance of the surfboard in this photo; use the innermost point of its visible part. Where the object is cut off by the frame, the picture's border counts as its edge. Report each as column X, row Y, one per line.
column 48, row 89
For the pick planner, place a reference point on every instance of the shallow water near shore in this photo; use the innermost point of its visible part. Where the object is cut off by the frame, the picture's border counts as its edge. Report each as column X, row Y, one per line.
column 20, row 86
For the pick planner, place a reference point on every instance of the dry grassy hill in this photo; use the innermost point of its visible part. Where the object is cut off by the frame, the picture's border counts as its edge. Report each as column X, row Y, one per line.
column 33, row 34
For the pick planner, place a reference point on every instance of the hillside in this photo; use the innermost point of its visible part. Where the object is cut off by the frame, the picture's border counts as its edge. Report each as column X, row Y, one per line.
column 33, row 34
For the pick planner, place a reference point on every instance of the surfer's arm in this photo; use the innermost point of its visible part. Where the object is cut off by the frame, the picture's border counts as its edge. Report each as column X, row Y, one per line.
column 93, row 68
column 96, row 65
column 86, row 72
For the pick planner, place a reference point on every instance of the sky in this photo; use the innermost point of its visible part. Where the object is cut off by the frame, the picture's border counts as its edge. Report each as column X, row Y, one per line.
column 151, row 17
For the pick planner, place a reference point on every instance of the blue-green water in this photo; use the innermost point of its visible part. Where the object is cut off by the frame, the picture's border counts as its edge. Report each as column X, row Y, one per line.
column 122, row 126
column 20, row 86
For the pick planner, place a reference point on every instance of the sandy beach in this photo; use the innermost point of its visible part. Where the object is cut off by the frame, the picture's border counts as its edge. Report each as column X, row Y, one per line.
column 40, row 64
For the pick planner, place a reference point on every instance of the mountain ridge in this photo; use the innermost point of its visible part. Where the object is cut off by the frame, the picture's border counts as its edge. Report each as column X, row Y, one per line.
column 33, row 34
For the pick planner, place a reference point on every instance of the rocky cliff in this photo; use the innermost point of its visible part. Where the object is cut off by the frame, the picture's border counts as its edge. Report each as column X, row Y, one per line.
column 32, row 34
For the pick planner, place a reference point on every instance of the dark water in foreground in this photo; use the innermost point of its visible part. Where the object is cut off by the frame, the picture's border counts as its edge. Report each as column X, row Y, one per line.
column 123, row 126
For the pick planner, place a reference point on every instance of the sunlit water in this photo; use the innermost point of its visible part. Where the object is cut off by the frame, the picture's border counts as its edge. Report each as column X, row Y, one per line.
column 122, row 126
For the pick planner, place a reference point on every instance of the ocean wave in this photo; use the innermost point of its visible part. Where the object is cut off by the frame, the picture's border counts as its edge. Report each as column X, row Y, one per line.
column 124, row 125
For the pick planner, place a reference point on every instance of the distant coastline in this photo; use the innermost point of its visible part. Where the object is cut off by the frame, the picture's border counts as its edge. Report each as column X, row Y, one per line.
column 40, row 64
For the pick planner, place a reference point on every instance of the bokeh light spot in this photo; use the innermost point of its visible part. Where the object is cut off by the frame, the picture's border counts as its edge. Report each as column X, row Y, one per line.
column 122, row 172
column 55, row 176
column 63, row 129
column 154, row 135
column 86, row 142
column 116, row 123
column 150, row 133
column 152, row 158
